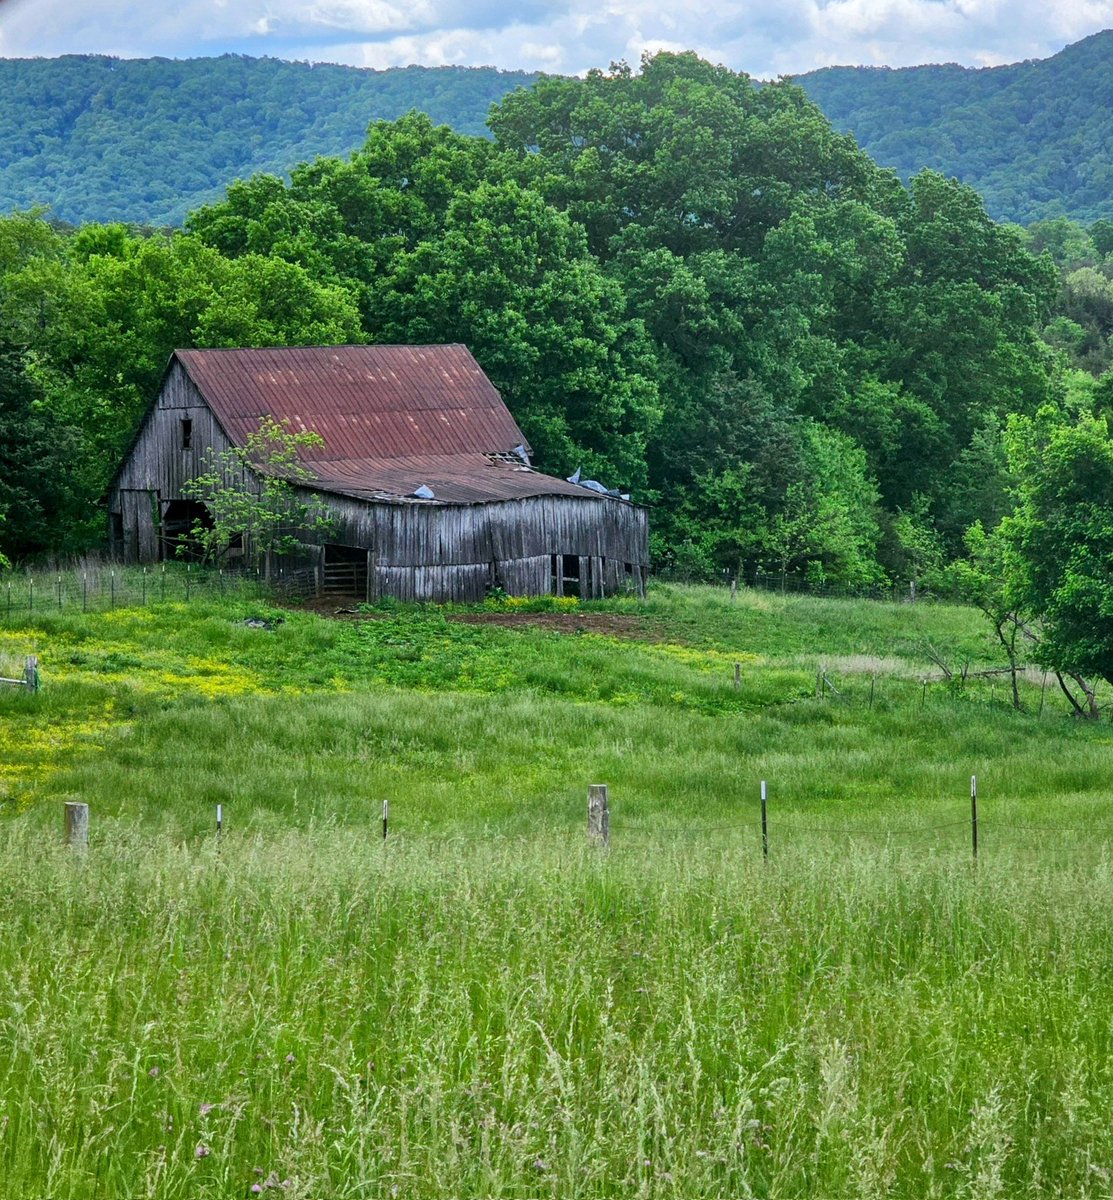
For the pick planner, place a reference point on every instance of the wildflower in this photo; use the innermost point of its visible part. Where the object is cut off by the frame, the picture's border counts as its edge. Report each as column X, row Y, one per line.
column 202, row 1151
column 290, row 1058
column 205, row 1109
column 154, row 1072
column 256, row 1188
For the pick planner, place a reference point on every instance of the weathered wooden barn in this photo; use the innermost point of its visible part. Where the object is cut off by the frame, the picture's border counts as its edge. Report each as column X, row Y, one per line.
column 425, row 472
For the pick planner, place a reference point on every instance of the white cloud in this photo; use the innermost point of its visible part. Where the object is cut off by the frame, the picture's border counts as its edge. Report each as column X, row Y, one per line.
column 763, row 37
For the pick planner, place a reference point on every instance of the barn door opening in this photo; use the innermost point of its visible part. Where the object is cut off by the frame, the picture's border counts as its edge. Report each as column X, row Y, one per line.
column 176, row 541
column 570, row 575
column 345, row 571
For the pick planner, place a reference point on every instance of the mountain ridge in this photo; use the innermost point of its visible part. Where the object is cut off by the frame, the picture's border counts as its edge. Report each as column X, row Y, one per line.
column 97, row 138
column 1034, row 137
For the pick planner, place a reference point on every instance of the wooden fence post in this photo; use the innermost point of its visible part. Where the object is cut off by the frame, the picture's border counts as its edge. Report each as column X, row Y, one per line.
column 734, row 589
column 31, row 673
column 598, row 816
column 77, row 825
column 386, row 817
column 737, row 676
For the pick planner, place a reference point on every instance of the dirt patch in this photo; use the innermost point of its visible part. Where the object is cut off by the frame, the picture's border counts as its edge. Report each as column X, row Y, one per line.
column 619, row 625
column 612, row 624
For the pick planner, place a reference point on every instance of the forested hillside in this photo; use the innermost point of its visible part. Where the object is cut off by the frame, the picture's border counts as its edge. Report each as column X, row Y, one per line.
column 146, row 140
column 1034, row 138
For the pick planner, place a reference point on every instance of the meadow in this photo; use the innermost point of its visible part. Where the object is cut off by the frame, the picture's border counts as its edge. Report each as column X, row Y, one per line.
column 485, row 1005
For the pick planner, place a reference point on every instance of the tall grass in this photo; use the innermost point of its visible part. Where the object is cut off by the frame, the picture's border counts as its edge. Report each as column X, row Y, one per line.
column 520, row 1018
column 482, row 1006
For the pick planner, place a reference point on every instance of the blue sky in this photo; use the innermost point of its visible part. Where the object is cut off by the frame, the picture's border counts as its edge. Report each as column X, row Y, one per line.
column 764, row 37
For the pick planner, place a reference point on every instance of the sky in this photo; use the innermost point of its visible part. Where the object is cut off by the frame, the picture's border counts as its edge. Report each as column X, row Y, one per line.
column 765, row 38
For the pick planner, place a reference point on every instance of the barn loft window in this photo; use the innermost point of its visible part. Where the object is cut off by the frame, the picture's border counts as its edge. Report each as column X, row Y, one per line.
column 187, row 433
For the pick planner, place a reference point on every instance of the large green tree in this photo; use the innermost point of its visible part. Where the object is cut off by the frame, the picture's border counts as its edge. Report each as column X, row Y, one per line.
column 1060, row 538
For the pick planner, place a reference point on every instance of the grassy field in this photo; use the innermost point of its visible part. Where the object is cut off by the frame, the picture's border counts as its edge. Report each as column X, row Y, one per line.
column 485, row 1006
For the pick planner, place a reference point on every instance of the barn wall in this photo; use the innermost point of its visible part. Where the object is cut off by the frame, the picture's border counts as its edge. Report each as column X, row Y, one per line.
column 157, row 466
column 455, row 552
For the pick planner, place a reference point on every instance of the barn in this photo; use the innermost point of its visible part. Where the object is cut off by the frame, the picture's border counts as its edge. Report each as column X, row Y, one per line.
column 424, row 470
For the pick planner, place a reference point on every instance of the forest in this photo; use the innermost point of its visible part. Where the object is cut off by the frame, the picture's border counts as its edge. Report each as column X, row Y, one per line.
column 1033, row 137
column 147, row 140
column 689, row 286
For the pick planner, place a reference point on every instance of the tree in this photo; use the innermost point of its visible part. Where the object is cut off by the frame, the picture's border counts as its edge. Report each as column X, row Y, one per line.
column 1059, row 542
column 256, row 493
column 512, row 278
column 981, row 579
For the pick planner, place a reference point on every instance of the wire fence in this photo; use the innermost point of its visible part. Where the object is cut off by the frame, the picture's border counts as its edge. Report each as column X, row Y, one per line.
column 101, row 587
column 764, row 835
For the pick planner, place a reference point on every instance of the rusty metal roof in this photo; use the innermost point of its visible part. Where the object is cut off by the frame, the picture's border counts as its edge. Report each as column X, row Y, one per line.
column 393, row 418
column 365, row 401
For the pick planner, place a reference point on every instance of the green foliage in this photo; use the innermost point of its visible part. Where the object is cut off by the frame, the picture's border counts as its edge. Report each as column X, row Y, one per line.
column 38, row 504
column 1060, row 538
column 682, row 283
column 255, row 494
column 148, row 140
column 1033, row 138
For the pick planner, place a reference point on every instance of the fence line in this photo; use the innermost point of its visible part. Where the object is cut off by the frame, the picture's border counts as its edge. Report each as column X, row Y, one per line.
column 102, row 588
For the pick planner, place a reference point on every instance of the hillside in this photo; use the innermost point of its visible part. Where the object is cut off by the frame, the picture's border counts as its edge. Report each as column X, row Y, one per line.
column 1034, row 137
column 147, row 140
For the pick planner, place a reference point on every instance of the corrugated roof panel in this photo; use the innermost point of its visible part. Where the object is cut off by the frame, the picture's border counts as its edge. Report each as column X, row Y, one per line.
column 374, row 401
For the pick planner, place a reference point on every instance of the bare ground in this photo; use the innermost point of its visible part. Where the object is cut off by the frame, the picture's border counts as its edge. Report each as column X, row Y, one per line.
column 619, row 625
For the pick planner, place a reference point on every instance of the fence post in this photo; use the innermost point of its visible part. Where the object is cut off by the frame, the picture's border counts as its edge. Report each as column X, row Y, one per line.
column 31, row 673
column 77, row 825
column 84, row 592
column 737, row 676
column 598, row 816
column 974, row 814
column 764, row 824
column 734, row 589
column 219, row 821
column 386, row 817
column 31, row 594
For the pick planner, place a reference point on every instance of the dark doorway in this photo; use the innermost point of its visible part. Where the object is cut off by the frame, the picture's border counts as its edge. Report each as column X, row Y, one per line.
column 345, row 572
column 176, row 539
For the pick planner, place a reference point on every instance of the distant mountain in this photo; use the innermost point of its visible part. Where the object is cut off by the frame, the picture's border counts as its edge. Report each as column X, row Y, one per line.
column 148, row 140
column 1035, row 138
